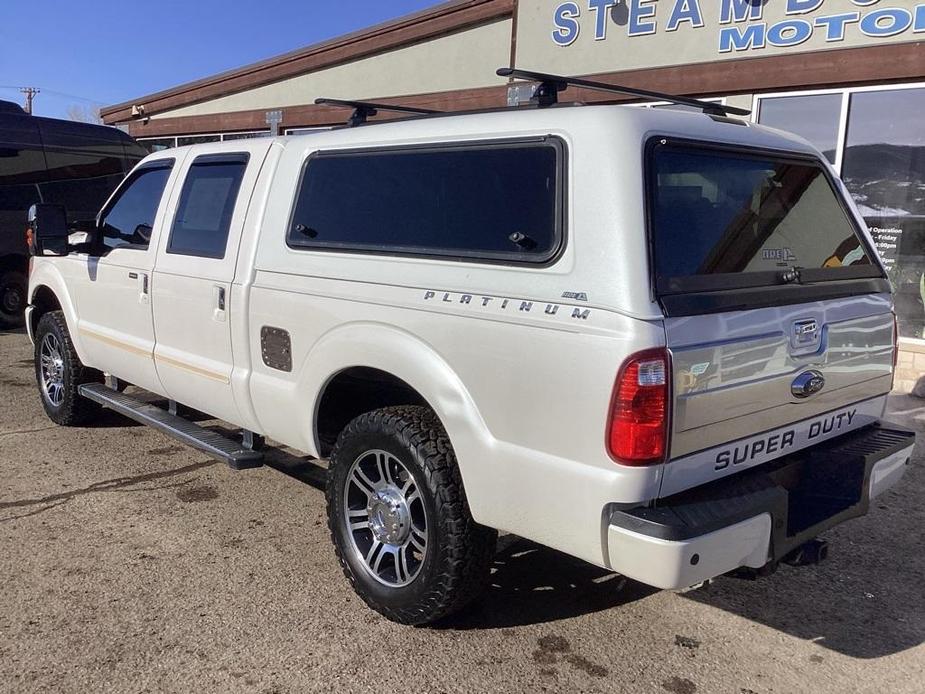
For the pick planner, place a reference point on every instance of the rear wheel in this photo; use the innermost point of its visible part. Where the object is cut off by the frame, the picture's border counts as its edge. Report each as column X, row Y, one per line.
column 59, row 373
column 13, row 289
column 399, row 518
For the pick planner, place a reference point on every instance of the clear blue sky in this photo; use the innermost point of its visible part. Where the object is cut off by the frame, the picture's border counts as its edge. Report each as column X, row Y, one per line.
column 100, row 52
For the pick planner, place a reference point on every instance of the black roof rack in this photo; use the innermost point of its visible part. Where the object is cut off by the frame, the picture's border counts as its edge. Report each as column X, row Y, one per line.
column 547, row 93
column 365, row 109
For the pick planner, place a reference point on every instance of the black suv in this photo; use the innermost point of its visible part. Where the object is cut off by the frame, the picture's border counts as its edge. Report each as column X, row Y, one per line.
column 47, row 160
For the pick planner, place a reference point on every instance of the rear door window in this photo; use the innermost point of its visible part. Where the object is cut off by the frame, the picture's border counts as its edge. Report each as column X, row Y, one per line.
column 724, row 219
column 206, row 205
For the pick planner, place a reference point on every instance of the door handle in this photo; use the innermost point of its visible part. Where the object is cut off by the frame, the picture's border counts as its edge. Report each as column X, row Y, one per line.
column 142, row 285
column 218, row 314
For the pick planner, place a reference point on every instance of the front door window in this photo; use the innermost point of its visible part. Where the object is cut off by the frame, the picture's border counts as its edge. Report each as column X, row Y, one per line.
column 129, row 219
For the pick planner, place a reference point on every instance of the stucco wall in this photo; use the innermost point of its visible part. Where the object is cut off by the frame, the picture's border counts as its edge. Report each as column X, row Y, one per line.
column 463, row 60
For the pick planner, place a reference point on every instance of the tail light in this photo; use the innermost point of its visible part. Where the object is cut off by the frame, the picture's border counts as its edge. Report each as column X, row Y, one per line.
column 638, row 429
column 30, row 241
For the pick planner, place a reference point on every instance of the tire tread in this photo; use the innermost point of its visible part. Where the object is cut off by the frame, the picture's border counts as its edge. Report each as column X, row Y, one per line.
column 75, row 410
column 465, row 558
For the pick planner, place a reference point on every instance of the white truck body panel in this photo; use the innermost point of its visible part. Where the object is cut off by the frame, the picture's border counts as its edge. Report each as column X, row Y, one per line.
column 519, row 362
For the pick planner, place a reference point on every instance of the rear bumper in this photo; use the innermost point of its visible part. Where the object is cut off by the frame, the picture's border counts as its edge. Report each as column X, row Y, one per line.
column 759, row 515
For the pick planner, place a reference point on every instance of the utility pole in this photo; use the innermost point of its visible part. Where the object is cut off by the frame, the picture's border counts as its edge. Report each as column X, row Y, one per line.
column 30, row 93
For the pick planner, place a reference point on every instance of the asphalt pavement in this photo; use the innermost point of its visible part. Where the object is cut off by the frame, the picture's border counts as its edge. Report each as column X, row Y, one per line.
column 129, row 563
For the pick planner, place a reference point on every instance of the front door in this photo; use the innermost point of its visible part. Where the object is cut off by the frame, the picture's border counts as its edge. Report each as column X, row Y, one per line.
column 192, row 286
column 114, row 297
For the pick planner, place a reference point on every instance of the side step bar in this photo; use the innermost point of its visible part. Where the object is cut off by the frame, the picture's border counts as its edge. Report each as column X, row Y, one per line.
column 233, row 453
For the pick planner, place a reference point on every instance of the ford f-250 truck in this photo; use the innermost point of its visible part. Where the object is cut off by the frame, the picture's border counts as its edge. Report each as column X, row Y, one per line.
column 658, row 341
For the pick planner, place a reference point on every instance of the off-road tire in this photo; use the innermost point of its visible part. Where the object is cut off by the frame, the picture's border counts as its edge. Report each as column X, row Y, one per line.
column 459, row 552
column 13, row 290
column 73, row 409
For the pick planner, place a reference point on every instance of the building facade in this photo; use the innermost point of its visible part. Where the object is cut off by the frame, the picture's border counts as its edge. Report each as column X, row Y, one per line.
column 849, row 75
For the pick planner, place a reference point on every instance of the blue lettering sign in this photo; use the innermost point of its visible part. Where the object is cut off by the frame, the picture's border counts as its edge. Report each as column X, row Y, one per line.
column 802, row 6
column 886, row 22
column 835, row 24
column 790, row 32
column 744, row 28
column 685, row 11
column 601, row 10
column 567, row 26
column 641, row 10
column 739, row 11
column 741, row 38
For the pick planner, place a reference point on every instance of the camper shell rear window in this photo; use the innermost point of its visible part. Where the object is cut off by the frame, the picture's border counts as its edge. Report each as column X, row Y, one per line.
column 723, row 218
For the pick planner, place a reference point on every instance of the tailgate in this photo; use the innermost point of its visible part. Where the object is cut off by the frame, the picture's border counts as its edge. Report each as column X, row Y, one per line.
column 736, row 399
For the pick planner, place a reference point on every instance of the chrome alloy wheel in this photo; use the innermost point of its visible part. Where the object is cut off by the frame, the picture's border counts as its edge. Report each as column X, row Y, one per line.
column 52, row 364
column 385, row 518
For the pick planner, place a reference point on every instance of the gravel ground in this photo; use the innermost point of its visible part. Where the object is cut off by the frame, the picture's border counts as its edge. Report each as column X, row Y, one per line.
column 129, row 563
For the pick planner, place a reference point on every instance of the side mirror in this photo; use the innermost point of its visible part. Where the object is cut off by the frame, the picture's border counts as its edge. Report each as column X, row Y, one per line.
column 82, row 235
column 47, row 231
column 87, row 226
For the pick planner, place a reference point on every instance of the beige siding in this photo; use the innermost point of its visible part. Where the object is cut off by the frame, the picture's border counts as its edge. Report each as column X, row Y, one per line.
column 463, row 60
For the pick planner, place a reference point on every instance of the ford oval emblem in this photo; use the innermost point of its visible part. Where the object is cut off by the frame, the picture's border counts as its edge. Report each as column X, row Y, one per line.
column 807, row 383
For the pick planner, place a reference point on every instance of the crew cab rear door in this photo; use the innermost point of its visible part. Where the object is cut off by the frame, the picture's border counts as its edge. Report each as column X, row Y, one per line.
column 778, row 313
column 193, row 274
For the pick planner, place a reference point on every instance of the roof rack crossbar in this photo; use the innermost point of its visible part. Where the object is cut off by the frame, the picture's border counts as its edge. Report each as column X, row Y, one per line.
column 547, row 93
column 362, row 110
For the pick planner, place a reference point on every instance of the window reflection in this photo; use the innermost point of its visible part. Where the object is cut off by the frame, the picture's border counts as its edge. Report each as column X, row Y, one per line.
column 884, row 169
column 814, row 118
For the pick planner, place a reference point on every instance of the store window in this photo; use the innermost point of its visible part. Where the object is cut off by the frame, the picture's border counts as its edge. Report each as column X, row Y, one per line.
column 304, row 131
column 879, row 151
column 158, row 144
column 815, row 118
column 884, row 168
column 197, row 139
column 245, row 136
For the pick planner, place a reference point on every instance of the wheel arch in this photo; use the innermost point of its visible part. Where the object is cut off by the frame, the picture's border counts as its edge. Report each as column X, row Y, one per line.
column 48, row 292
column 410, row 369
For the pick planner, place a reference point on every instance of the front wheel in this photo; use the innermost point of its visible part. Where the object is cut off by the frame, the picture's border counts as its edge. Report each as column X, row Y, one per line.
column 59, row 373
column 399, row 518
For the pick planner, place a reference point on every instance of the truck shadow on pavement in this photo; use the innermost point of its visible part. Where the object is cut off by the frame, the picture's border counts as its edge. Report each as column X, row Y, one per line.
column 865, row 613
column 866, row 601
column 532, row 584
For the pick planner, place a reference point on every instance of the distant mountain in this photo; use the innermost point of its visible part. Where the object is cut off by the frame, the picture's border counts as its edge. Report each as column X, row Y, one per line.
column 886, row 180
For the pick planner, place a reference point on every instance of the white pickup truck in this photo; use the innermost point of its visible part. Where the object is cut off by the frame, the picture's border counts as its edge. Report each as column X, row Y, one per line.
column 655, row 340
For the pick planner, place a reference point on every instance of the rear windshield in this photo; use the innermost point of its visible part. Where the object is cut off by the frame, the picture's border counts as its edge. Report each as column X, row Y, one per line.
column 725, row 219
